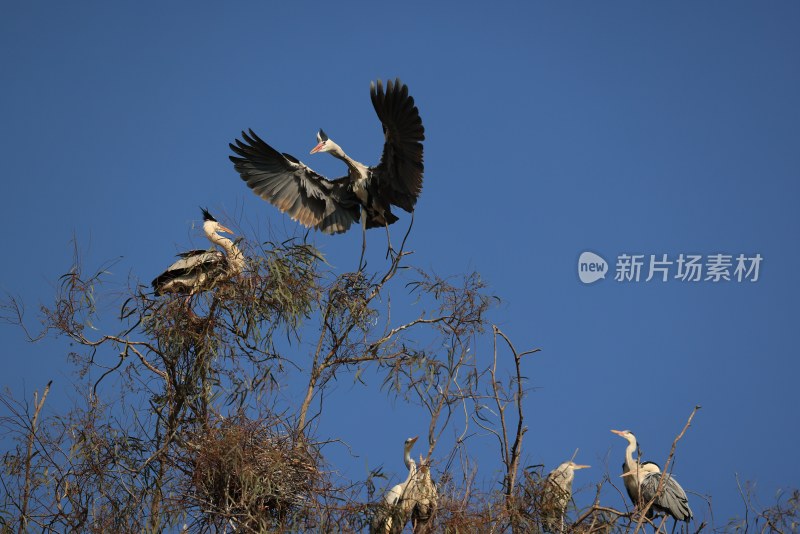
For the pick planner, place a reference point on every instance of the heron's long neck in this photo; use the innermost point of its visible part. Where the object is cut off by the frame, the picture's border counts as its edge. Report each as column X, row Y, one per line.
column 412, row 466
column 357, row 170
column 629, row 455
column 232, row 252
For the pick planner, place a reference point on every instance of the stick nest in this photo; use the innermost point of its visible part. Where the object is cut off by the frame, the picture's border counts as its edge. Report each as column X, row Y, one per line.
column 252, row 473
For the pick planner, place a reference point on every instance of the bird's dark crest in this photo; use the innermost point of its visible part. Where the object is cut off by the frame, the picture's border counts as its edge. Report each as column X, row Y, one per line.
column 207, row 216
column 322, row 136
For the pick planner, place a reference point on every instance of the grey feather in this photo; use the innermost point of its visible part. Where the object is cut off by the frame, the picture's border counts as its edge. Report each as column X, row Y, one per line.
column 672, row 500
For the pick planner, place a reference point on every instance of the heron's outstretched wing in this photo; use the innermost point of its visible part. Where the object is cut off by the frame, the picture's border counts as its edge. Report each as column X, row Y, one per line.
column 293, row 188
column 399, row 173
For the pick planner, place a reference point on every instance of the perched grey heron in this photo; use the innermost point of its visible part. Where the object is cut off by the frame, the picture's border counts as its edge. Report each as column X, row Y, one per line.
column 199, row 270
column 631, row 485
column 642, row 480
column 397, row 506
column 557, row 494
column 672, row 500
column 365, row 193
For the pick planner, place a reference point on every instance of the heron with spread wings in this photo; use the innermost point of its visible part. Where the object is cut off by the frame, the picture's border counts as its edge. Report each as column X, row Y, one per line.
column 366, row 193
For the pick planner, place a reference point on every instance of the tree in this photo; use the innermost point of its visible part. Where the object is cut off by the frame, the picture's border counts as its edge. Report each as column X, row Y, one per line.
column 208, row 444
column 181, row 423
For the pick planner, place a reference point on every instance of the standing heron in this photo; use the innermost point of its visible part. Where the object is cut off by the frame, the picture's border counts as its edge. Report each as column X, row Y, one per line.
column 557, row 494
column 631, row 485
column 397, row 506
column 365, row 193
column 642, row 480
column 671, row 500
column 200, row 270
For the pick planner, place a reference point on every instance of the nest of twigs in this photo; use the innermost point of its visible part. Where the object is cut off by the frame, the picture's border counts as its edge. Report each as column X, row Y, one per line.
column 251, row 474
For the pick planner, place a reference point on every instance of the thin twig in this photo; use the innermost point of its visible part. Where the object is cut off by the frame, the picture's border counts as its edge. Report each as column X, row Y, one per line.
column 23, row 520
column 661, row 481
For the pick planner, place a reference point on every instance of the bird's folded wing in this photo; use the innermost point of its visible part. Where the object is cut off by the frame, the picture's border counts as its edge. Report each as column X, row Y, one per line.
column 399, row 172
column 190, row 253
column 191, row 262
column 674, row 499
column 196, row 258
column 292, row 187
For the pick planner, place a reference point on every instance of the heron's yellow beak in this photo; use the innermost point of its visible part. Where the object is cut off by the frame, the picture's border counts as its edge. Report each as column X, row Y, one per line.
column 619, row 432
column 317, row 148
column 579, row 466
column 221, row 228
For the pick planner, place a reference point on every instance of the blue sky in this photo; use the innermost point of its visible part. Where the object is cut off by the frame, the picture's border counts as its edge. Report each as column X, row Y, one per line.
column 552, row 129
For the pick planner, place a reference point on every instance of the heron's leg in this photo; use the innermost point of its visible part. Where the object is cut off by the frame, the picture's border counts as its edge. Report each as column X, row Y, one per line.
column 363, row 239
column 390, row 250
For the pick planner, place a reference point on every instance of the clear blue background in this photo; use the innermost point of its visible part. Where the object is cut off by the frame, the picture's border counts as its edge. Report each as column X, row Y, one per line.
column 552, row 128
